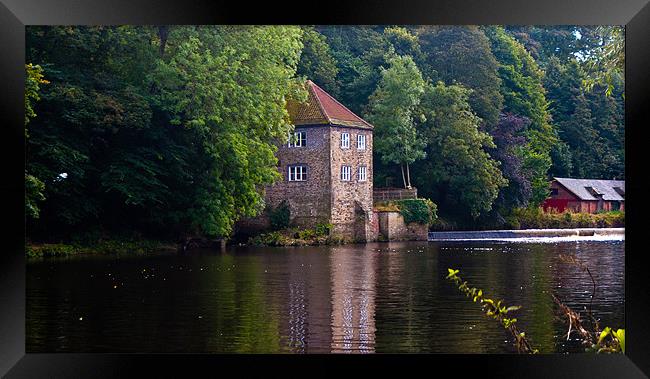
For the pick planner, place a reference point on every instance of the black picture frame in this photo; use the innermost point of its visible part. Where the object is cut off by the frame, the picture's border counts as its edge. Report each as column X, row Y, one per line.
column 15, row 14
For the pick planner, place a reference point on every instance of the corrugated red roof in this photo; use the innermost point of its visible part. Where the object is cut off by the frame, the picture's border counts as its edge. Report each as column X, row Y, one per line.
column 322, row 108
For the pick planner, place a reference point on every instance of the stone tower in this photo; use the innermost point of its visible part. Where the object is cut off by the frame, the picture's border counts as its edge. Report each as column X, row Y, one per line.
column 326, row 168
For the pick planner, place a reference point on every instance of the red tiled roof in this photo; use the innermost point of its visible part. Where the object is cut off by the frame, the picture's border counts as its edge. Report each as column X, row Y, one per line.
column 322, row 108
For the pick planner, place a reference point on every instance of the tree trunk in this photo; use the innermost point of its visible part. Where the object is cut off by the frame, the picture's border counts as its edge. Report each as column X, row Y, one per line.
column 163, row 33
column 403, row 178
column 408, row 176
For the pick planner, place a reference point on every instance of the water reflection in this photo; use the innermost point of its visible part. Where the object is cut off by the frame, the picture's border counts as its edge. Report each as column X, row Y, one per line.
column 389, row 297
column 353, row 301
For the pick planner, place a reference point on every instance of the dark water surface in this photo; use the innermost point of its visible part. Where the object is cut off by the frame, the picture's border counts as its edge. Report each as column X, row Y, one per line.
column 384, row 297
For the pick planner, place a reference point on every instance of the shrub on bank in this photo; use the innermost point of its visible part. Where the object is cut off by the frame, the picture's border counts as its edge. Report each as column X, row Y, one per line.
column 99, row 247
column 421, row 211
column 536, row 218
column 319, row 235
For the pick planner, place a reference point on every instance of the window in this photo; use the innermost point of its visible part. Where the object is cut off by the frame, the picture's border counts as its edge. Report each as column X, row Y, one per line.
column 362, row 175
column 361, row 142
column 297, row 173
column 299, row 139
column 345, row 140
column 345, row 173
column 553, row 191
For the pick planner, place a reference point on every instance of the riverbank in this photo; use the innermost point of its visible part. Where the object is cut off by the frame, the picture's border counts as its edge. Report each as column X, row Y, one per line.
column 105, row 247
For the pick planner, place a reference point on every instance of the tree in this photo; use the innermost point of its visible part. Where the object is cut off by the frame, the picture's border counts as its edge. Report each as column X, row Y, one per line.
column 606, row 61
column 317, row 63
column 34, row 187
column 458, row 173
column 589, row 124
column 461, row 54
column 524, row 95
column 360, row 52
column 508, row 150
column 393, row 110
column 166, row 141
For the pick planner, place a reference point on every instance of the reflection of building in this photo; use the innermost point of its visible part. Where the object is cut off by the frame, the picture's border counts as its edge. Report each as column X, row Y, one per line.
column 586, row 195
column 353, row 301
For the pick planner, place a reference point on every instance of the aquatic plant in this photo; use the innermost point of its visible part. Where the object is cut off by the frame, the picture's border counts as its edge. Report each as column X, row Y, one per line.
column 496, row 310
column 596, row 340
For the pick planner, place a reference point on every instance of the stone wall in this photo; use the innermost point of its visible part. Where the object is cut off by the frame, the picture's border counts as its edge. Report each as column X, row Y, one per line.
column 324, row 197
column 351, row 214
column 309, row 201
column 393, row 228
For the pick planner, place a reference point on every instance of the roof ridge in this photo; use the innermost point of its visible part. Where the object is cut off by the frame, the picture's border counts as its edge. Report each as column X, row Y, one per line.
column 320, row 105
column 324, row 111
column 606, row 180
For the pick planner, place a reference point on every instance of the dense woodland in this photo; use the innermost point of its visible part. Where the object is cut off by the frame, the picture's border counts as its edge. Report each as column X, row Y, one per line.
column 168, row 132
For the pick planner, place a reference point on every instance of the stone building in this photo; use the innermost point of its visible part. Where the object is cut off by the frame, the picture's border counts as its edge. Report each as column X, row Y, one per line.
column 326, row 168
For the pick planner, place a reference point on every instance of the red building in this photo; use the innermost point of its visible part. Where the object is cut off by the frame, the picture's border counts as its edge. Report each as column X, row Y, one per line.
column 586, row 195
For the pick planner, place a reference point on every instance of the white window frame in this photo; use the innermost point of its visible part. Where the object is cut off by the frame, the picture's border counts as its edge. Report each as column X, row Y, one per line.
column 362, row 170
column 361, row 141
column 345, row 140
column 297, row 173
column 346, row 173
column 298, row 139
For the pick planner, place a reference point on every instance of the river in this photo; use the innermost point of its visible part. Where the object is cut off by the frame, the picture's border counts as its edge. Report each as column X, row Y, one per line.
column 377, row 297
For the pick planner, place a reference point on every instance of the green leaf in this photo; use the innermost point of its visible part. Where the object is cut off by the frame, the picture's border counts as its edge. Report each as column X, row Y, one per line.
column 604, row 334
column 513, row 308
column 620, row 336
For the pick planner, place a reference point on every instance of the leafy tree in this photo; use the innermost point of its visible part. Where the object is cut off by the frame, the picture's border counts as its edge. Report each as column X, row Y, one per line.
column 34, row 187
column 360, row 52
column 524, row 95
column 462, row 54
column 509, row 146
column 590, row 125
column 317, row 63
column 606, row 60
column 164, row 131
column 458, row 174
column 393, row 110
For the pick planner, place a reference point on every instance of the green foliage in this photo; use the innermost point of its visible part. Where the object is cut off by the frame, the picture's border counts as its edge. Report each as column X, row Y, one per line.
column 524, row 95
column 171, row 140
column 319, row 235
column 33, row 79
column 606, row 61
column 496, row 310
column 535, row 217
column 393, row 110
column 34, row 187
column 317, row 63
column 172, row 130
column 458, row 173
column 280, row 216
column 119, row 247
column 462, row 54
column 421, row 211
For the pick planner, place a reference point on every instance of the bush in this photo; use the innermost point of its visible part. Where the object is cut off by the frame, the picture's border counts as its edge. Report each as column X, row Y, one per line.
column 534, row 218
column 320, row 235
column 111, row 246
column 421, row 211
column 280, row 216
